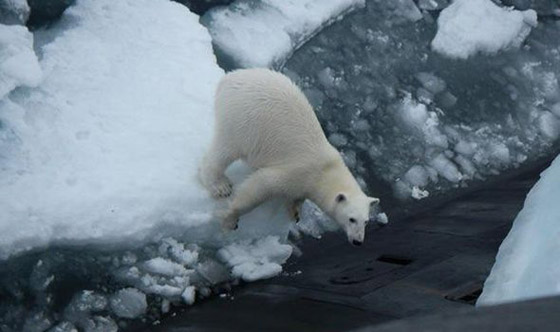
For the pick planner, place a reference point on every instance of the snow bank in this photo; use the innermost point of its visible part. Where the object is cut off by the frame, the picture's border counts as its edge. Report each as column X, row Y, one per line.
column 527, row 262
column 263, row 34
column 105, row 150
column 18, row 63
column 468, row 27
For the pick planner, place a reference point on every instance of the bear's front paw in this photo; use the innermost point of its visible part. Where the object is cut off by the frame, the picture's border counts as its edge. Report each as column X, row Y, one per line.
column 221, row 189
column 230, row 222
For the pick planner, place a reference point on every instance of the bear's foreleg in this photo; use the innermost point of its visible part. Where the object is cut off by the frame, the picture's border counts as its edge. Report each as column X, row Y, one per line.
column 256, row 189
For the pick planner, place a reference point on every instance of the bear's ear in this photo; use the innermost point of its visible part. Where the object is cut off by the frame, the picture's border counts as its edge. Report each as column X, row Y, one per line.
column 340, row 198
column 373, row 201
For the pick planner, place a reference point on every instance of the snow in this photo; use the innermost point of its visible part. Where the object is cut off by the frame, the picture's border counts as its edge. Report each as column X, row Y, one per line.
column 18, row 63
column 526, row 265
column 256, row 260
column 264, row 34
column 468, row 27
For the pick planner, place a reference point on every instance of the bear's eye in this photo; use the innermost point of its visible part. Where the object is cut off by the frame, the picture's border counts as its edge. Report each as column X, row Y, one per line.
column 352, row 220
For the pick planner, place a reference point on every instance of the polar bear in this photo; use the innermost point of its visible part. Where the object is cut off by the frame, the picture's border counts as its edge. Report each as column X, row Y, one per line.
column 264, row 119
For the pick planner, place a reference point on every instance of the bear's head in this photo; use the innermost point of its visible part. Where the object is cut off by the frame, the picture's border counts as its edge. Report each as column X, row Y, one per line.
column 353, row 213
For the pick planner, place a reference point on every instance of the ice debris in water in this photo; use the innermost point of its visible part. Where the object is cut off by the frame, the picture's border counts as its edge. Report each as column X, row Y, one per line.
column 83, row 312
column 128, row 303
column 262, row 34
column 453, row 120
column 468, row 27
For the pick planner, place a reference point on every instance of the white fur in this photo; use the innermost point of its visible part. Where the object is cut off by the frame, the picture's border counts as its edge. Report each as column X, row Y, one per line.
column 265, row 120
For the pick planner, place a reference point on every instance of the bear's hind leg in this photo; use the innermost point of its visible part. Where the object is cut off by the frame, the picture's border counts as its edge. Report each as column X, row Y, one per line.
column 257, row 188
column 211, row 171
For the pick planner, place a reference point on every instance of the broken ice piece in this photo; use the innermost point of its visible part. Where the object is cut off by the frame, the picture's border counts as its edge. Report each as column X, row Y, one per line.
column 382, row 219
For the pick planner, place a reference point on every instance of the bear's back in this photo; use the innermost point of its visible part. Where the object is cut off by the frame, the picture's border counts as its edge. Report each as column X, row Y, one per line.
column 267, row 116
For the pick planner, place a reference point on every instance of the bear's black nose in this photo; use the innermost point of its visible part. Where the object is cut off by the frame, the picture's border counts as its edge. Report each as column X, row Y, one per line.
column 356, row 243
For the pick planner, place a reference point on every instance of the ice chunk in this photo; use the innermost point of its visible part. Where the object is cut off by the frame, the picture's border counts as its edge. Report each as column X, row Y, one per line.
column 446, row 168
column 98, row 324
column 432, row 4
column 178, row 252
column 468, row 27
column 150, row 285
column 467, row 167
column 165, row 267
column 499, row 153
column 465, row 148
column 549, row 125
column 256, row 260
column 128, row 303
column 431, row 82
column 37, row 322
column 314, row 222
column 555, row 109
column 413, row 114
column 417, row 176
column 188, row 295
column 85, row 302
column 165, row 306
column 129, row 258
column 338, row 140
column 14, row 12
column 418, row 193
column 263, row 34
column 526, row 262
column 382, row 218
column 18, row 62
column 212, row 271
column 64, row 327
